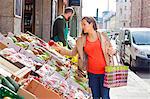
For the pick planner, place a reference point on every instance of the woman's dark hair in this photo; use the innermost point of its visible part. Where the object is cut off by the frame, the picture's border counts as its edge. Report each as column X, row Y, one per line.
column 90, row 20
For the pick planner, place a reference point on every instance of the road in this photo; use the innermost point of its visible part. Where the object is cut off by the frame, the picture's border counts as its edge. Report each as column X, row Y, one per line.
column 145, row 76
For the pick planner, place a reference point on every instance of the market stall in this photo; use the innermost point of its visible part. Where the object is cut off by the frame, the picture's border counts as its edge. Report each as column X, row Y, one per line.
column 33, row 63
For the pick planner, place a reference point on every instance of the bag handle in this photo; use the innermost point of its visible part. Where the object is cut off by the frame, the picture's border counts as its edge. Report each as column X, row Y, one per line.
column 113, row 59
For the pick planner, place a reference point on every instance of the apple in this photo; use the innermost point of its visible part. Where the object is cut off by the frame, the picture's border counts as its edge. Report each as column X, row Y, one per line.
column 51, row 42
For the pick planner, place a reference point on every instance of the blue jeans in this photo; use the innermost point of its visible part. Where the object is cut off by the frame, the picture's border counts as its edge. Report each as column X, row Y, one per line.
column 96, row 85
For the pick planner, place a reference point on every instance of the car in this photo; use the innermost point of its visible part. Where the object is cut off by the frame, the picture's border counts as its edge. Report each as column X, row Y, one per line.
column 134, row 47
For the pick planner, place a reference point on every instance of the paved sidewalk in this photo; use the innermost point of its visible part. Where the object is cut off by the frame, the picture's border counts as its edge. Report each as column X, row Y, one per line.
column 136, row 89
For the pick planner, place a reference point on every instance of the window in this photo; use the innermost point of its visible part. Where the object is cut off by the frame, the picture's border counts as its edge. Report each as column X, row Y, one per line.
column 18, row 8
column 141, row 37
column 125, row 7
column 121, row 11
column 130, row 24
column 124, row 24
column 74, row 2
column 125, row 16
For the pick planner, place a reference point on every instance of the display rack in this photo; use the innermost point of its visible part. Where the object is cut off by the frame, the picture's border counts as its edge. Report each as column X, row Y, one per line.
column 56, row 76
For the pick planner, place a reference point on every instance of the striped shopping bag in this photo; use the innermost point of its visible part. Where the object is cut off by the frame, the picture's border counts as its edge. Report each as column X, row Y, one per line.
column 116, row 75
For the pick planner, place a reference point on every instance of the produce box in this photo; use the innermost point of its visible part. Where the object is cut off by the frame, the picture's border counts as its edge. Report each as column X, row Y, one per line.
column 8, row 66
column 2, row 46
column 21, row 74
column 36, row 90
column 26, row 94
column 17, row 73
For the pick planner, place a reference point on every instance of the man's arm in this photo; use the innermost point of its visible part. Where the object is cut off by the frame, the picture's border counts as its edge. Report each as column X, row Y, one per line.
column 60, row 30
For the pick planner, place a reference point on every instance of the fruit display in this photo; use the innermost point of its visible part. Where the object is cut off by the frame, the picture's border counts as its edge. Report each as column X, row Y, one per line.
column 54, row 70
column 15, row 56
column 46, row 69
column 63, row 86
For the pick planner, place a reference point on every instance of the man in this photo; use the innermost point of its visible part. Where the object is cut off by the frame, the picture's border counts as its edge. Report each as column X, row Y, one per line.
column 60, row 26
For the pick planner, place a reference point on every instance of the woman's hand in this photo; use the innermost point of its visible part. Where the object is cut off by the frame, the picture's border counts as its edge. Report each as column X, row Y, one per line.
column 57, row 47
column 54, row 45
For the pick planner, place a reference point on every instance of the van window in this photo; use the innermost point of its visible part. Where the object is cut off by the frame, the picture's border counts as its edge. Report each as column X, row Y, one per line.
column 141, row 37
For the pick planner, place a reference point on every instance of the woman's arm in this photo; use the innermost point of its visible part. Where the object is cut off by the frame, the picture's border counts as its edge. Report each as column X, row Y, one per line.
column 65, row 51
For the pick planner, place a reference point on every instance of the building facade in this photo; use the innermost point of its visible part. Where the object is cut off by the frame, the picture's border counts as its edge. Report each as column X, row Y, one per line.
column 10, row 19
column 105, row 15
column 140, row 13
column 136, row 14
column 36, row 16
column 123, row 13
column 146, row 13
column 109, row 20
column 112, row 22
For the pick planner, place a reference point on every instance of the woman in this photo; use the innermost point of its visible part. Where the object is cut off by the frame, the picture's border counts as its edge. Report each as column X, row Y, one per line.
column 94, row 53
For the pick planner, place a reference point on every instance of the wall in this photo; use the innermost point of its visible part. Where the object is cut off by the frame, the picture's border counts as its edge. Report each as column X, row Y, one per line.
column 146, row 13
column 8, row 22
column 112, row 24
column 123, row 14
column 136, row 13
column 17, row 25
column 43, row 19
column 75, row 29
column 60, row 7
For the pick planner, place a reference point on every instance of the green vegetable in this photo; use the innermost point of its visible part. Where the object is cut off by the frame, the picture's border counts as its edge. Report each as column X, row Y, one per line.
column 5, row 93
column 6, row 83
column 1, row 77
column 14, row 83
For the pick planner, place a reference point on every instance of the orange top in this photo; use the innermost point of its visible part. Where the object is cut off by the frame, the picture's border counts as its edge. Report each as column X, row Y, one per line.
column 96, row 60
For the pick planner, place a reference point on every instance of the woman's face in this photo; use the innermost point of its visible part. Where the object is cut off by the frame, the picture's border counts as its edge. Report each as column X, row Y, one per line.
column 85, row 26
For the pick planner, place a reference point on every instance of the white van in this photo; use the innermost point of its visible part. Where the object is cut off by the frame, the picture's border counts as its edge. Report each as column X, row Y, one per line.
column 134, row 47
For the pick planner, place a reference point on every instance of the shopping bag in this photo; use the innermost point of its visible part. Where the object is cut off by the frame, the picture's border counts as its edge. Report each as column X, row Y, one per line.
column 116, row 75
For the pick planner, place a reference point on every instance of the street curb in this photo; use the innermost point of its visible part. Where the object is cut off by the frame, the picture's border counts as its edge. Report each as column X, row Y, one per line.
column 138, row 79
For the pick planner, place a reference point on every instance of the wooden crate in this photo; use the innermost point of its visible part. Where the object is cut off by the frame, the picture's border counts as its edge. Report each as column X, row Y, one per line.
column 36, row 90
column 2, row 46
column 17, row 73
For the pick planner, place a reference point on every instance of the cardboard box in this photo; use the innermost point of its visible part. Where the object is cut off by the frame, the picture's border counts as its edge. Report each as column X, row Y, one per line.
column 2, row 46
column 36, row 90
column 8, row 66
column 17, row 73
column 26, row 94
column 21, row 74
